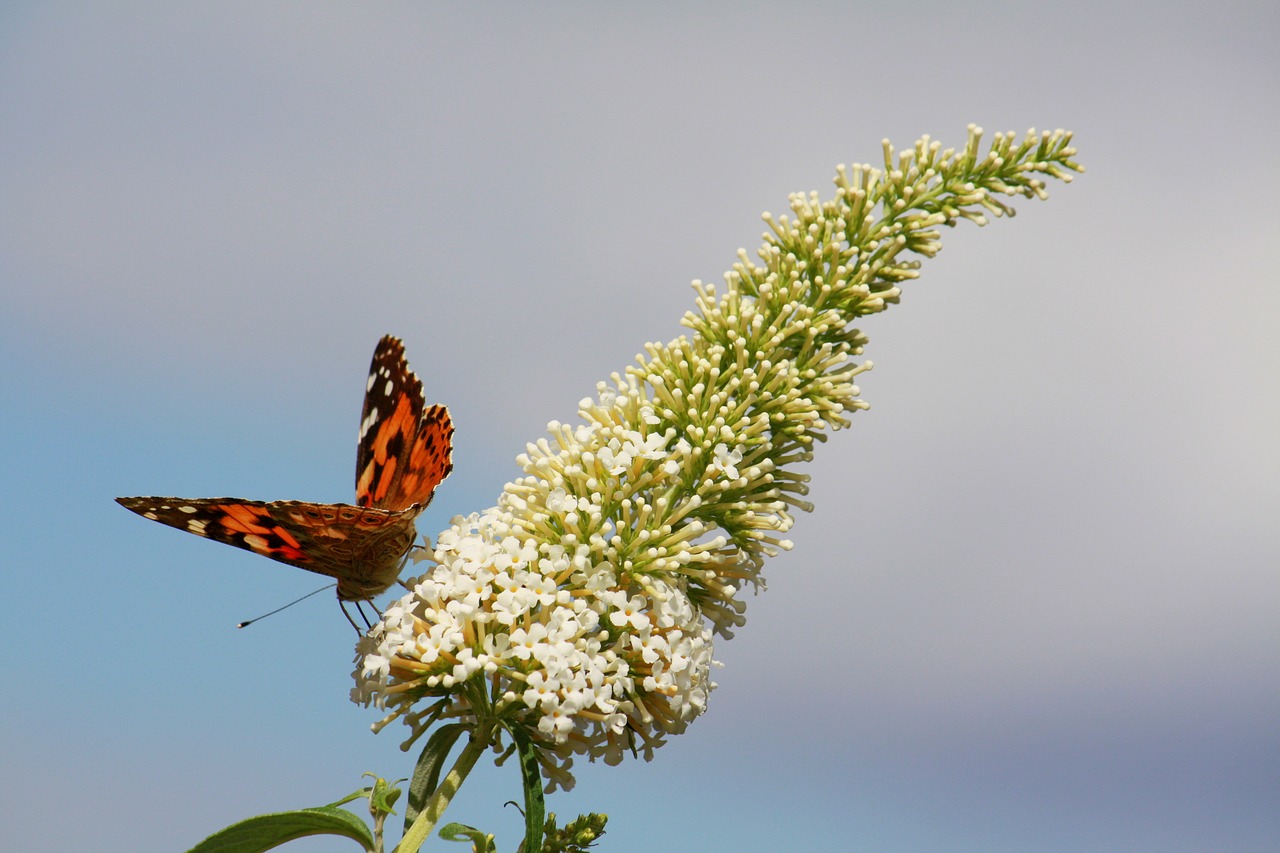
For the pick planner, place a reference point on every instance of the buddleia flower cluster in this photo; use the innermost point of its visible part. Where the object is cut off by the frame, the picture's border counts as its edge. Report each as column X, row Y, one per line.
column 581, row 609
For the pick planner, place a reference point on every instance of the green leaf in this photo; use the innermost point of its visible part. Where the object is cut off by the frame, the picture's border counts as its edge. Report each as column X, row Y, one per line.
column 426, row 775
column 361, row 794
column 534, row 805
column 271, row 830
column 481, row 842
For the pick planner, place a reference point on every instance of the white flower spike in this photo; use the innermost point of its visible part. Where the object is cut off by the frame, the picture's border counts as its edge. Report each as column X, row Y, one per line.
column 582, row 607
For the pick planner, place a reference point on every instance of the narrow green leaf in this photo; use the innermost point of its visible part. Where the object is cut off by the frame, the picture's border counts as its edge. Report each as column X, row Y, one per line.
column 534, row 804
column 461, row 832
column 361, row 794
column 426, row 774
column 271, row 830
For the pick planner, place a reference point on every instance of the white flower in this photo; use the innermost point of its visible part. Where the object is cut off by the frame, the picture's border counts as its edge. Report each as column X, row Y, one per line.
column 376, row 665
column 727, row 461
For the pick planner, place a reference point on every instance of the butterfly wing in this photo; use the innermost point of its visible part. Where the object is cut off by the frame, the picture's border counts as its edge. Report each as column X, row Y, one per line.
column 405, row 447
column 360, row 547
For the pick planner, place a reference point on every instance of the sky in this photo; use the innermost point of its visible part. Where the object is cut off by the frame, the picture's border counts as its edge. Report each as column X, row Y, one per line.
column 1037, row 604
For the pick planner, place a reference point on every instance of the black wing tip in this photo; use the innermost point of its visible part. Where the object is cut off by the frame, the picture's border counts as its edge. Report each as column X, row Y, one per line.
column 389, row 342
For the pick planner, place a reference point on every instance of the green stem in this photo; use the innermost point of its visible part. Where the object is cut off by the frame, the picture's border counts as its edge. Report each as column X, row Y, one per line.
column 434, row 808
column 379, row 821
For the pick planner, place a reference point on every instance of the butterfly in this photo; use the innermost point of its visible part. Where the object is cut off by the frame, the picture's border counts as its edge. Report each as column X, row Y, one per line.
column 403, row 452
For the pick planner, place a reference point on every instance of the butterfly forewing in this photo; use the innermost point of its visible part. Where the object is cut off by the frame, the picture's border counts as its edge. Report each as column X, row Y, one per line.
column 405, row 448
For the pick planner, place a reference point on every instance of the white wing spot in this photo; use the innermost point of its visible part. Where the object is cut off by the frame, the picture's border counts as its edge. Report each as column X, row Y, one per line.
column 368, row 423
column 390, row 387
column 151, row 515
column 187, row 509
column 197, row 526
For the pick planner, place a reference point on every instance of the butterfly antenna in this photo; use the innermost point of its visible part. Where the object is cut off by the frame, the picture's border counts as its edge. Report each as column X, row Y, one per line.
column 290, row 604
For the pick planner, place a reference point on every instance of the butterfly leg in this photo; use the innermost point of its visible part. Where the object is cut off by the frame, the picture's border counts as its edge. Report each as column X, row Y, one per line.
column 367, row 621
column 359, row 632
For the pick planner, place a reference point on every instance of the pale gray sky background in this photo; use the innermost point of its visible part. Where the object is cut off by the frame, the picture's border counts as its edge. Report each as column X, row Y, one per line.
column 1038, row 604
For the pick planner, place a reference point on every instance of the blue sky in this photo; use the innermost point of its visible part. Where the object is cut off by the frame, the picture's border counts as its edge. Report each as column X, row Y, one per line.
column 1037, row 606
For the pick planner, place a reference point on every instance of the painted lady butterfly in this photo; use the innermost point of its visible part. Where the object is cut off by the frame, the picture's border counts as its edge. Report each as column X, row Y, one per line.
column 404, row 451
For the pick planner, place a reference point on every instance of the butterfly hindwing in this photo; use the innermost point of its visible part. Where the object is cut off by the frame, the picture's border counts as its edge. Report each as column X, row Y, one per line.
column 404, row 448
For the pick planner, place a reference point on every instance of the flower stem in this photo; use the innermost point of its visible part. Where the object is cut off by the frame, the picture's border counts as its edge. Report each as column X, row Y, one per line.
column 440, row 799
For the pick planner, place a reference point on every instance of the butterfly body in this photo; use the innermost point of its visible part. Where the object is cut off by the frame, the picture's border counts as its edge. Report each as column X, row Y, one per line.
column 404, row 451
